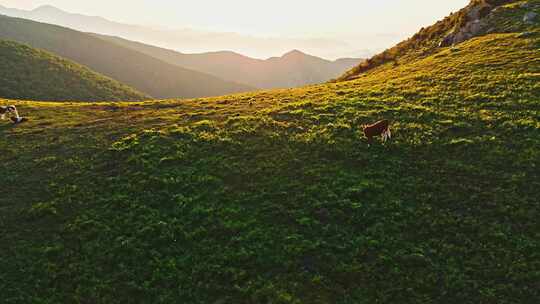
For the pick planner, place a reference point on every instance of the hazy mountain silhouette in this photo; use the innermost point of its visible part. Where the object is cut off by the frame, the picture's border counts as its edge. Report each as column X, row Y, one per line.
column 145, row 73
column 186, row 40
column 291, row 70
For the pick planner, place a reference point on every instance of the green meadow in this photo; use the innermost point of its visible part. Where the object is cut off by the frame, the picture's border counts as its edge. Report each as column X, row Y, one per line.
column 275, row 196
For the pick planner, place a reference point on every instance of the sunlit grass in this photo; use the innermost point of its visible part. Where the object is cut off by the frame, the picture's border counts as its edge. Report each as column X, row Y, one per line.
column 276, row 197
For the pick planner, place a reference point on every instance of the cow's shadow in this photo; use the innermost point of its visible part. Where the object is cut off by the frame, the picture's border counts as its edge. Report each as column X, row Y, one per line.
column 7, row 126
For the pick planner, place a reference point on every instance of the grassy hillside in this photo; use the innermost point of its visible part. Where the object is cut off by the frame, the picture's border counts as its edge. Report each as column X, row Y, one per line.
column 145, row 73
column 294, row 69
column 219, row 201
column 497, row 16
column 275, row 197
column 31, row 74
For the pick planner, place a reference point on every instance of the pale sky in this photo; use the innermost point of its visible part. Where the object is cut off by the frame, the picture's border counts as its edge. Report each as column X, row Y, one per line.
column 294, row 18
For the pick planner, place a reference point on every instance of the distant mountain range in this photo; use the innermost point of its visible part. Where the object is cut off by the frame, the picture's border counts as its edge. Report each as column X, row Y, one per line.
column 28, row 73
column 189, row 40
column 145, row 73
column 291, row 70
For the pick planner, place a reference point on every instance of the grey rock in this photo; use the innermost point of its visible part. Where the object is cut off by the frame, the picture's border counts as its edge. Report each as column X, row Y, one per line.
column 461, row 36
column 474, row 13
column 478, row 11
column 447, row 41
column 471, row 29
column 475, row 27
column 530, row 17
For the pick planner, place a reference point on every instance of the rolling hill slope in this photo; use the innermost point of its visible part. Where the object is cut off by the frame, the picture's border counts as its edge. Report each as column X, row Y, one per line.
column 293, row 69
column 31, row 74
column 275, row 196
column 145, row 73
column 478, row 18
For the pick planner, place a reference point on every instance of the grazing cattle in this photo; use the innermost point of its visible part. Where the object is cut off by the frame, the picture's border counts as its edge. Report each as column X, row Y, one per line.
column 4, row 110
column 380, row 128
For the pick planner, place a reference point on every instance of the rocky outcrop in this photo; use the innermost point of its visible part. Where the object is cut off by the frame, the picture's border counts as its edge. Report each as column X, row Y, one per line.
column 472, row 25
column 473, row 21
column 469, row 30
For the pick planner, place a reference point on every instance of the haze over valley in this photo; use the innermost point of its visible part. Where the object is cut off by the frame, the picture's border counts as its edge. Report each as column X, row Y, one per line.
column 193, row 27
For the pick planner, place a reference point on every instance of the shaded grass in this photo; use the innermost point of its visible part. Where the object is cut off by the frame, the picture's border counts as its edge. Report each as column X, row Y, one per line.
column 28, row 73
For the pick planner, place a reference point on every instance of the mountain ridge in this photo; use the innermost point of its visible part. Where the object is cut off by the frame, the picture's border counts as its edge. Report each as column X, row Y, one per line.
column 185, row 40
column 145, row 73
column 292, row 69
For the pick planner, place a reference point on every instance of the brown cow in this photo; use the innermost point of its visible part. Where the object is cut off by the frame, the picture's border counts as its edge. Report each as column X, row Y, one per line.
column 380, row 128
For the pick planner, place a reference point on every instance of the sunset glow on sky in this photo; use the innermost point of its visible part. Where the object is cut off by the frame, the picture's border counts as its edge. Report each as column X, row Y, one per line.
column 377, row 23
